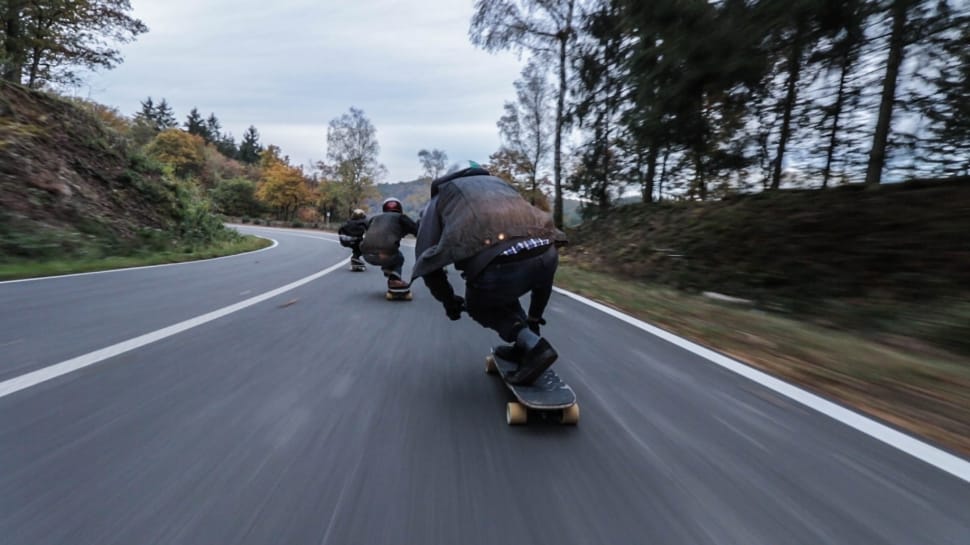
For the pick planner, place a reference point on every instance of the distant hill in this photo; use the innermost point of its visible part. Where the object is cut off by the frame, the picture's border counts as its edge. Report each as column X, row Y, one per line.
column 414, row 195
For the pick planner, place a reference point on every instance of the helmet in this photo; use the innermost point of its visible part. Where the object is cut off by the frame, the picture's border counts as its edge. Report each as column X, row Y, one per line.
column 392, row 205
column 462, row 165
column 358, row 214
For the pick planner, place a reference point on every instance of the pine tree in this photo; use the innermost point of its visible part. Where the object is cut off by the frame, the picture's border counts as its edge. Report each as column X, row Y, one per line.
column 948, row 107
column 602, row 50
column 148, row 113
column 227, row 146
column 250, row 148
column 165, row 116
column 213, row 129
column 195, row 125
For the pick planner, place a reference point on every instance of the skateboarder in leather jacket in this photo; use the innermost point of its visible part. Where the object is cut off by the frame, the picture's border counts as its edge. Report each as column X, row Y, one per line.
column 382, row 241
column 504, row 248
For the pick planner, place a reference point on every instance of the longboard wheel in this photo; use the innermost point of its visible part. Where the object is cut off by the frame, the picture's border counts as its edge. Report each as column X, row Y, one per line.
column 389, row 296
column 570, row 415
column 408, row 297
column 490, row 367
column 516, row 413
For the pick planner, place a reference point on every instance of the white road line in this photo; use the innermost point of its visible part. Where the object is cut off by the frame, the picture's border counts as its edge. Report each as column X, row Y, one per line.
column 56, row 277
column 292, row 232
column 34, row 378
column 936, row 457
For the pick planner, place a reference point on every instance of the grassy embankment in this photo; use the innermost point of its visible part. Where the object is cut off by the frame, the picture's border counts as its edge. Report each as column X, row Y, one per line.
column 861, row 296
column 77, row 194
column 30, row 269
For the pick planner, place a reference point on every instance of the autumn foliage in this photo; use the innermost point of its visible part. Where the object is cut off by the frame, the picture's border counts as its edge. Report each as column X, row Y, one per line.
column 281, row 186
column 184, row 152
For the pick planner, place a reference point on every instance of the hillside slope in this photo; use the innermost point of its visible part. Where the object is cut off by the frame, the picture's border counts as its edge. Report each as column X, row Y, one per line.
column 69, row 185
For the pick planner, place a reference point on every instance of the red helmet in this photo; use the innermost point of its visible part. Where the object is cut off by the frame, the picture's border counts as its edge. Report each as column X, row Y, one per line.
column 392, row 205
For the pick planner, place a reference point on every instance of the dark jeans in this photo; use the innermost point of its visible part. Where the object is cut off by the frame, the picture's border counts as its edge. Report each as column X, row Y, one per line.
column 388, row 262
column 356, row 250
column 492, row 298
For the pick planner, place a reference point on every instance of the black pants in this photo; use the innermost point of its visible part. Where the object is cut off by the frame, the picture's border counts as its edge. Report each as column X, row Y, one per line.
column 355, row 248
column 492, row 298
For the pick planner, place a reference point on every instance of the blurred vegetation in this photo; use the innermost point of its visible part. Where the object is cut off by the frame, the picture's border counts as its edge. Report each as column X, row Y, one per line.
column 891, row 259
column 76, row 186
column 904, row 381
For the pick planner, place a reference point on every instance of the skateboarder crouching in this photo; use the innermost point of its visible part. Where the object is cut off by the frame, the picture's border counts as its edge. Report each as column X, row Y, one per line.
column 382, row 242
column 351, row 234
column 505, row 248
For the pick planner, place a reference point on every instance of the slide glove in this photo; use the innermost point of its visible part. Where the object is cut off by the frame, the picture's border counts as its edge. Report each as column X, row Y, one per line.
column 534, row 324
column 454, row 307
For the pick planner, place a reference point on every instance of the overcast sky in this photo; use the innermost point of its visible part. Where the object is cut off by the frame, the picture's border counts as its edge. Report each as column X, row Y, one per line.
column 290, row 66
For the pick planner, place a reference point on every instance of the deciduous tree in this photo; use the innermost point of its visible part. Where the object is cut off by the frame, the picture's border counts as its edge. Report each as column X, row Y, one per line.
column 433, row 162
column 352, row 151
column 544, row 28
column 46, row 41
column 184, row 152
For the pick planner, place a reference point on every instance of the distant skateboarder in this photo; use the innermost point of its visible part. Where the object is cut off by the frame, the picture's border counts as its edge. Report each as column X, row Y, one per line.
column 382, row 243
column 351, row 235
column 505, row 248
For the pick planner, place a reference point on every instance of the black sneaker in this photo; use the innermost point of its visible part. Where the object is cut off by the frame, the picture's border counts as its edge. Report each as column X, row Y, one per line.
column 534, row 363
column 509, row 352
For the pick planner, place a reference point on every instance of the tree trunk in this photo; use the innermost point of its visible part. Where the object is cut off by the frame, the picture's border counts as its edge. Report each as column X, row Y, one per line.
column 533, row 184
column 700, row 184
column 652, row 154
column 877, row 156
column 557, row 145
column 833, row 134
column 34, row 69
column 791, row 95
column 564, row 37
column 13, row 41
column 663, row 174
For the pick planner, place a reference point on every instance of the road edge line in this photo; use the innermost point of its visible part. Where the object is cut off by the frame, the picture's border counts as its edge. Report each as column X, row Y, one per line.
column 908, row 444
column 140, row 267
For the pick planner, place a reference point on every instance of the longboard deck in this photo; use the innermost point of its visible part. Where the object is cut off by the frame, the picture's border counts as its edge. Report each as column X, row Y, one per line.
column 548, row 392
column 393, row 295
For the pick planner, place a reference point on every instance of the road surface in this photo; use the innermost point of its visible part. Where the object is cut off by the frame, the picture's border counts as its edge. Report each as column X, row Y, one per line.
column 326, row 414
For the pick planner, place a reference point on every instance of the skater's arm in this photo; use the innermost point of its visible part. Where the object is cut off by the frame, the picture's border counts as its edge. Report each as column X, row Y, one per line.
column 437, row 282
column 429, row 231
column 410, row 227
column 439, row 286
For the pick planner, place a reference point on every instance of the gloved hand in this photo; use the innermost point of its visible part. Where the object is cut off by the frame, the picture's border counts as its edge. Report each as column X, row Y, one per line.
column 534, row 324
column 454, row 307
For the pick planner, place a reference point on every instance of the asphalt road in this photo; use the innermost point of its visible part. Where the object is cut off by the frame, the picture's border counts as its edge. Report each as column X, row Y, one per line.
column 329, row 415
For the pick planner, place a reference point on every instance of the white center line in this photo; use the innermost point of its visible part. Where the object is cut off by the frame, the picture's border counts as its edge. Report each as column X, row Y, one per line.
column 34, row 378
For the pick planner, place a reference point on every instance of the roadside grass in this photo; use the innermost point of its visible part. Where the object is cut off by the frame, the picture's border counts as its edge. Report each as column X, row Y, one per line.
column 48, row 267
column 911, row 385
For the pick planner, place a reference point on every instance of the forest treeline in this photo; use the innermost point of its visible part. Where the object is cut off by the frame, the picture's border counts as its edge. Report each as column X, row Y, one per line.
column 699, row 99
